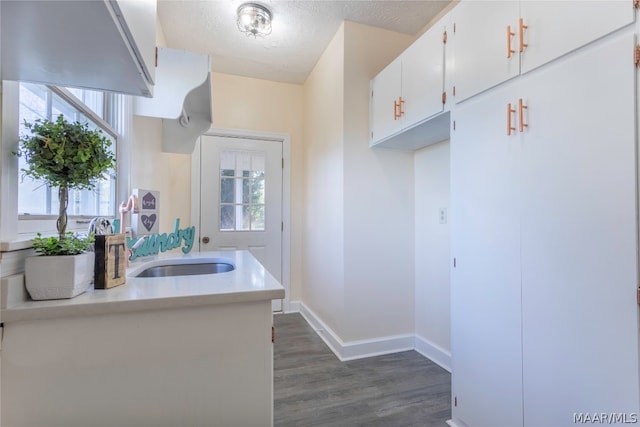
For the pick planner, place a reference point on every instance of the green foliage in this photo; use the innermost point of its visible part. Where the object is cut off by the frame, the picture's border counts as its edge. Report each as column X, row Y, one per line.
column 70, row 245
column 63, row 154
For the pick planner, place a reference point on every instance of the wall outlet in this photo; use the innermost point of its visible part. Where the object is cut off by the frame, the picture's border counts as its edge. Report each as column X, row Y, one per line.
column 442, row 215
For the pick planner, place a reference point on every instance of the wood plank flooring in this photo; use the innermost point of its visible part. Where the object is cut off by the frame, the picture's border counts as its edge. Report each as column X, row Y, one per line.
column 313, row 388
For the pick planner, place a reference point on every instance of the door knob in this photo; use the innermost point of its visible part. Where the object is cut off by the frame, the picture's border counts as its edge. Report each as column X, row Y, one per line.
column 205, row 240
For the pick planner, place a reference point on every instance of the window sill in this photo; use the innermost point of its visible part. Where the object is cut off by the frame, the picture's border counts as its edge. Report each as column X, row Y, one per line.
column 18, row 244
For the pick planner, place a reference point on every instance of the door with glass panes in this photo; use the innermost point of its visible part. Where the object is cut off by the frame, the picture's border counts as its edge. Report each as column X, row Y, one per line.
column 241, row 199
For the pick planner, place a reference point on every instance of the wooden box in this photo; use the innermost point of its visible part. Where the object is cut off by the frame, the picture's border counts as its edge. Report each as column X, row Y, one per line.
column 111, row 261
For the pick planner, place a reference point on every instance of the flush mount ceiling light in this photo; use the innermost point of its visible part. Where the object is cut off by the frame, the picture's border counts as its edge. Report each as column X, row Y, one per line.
column 254, row 19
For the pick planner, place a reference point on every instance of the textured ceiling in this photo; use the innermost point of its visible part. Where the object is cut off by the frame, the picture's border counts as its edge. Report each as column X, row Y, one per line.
column 301, row 31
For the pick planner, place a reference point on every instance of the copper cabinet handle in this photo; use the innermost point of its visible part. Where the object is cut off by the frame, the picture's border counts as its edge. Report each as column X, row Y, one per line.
column 509, row 35
column 521, row 108
column 509, row 112
column 395, row 110
column 400, row 105
column 522, row 27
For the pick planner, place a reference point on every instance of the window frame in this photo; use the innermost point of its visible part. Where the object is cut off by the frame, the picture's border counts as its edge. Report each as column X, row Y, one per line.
column 15, row 227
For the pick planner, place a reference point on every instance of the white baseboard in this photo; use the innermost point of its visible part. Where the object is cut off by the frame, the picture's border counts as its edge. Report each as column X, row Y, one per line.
column 433, row 352
column 356, row 349
column 376, row 347
column 292, row 307
column 373, row 347
column 328, row 336
column 456, row 423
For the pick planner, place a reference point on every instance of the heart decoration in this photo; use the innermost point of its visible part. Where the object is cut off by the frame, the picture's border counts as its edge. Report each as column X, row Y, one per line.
column 148, row 221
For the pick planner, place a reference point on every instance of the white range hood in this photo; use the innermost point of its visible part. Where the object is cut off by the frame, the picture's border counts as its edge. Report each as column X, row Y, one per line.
column 95, row 44
column 181, row 98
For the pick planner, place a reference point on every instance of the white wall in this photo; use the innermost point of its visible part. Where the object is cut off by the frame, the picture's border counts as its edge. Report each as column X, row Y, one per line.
column 323, row 226
column 152, row 169
column 378, row 200
column 432, row 299
column 358, row 233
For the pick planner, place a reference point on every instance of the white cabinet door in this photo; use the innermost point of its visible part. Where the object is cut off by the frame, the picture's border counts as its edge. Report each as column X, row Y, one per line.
column 579, row 272
column 555, row 28
column 480, row 30
column 485, row 289
column 423, row 77
column 386, row 90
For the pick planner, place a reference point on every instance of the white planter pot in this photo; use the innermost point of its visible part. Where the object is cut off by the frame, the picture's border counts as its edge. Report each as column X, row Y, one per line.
column 56, row 277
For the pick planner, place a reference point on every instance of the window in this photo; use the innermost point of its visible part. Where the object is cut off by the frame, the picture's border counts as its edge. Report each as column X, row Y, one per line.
column 242, row 190
column 36, row 199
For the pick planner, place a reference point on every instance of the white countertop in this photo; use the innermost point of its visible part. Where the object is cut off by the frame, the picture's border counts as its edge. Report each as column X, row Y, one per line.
column 249, row 282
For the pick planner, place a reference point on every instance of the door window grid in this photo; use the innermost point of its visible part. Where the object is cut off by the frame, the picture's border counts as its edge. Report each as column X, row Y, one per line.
column 242, row 190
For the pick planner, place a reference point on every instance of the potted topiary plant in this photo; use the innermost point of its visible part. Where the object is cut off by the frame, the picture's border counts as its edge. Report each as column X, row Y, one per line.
column 66, row 155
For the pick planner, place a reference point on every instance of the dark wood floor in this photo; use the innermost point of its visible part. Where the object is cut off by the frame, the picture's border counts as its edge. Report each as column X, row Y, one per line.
column 313, row 388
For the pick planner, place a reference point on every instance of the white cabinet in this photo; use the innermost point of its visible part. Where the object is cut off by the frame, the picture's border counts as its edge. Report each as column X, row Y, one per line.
column 485, row 284
column 578, row 214
column 410, row 89
column 551, row 29
column 497, row 40
column 141, row 368
column 481, row 61
column 386, row 92
column 544, row 321
column 103, row 44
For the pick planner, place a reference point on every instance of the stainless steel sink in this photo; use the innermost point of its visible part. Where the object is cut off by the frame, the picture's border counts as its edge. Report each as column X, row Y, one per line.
column 186, row 269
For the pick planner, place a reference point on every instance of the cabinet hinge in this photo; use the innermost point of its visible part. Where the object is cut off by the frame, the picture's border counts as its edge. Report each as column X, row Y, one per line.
column 444, row 97
column 444, row 37
column 273, row 334
column 636, row 56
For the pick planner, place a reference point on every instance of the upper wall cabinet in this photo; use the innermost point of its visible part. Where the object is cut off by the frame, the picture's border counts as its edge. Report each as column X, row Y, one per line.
column 409, row 91
column 98, row 44
column 481, row 60
column 498, row 40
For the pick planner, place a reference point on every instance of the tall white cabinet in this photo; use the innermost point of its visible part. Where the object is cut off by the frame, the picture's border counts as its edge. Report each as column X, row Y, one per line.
column 578, row 236
column 544, row 227
column 486, row 342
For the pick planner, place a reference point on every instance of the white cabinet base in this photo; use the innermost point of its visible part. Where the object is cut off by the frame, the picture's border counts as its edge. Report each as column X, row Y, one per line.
column 210, row 365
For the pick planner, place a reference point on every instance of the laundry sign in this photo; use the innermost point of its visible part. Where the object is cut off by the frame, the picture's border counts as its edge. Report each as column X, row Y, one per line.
column 153, row 244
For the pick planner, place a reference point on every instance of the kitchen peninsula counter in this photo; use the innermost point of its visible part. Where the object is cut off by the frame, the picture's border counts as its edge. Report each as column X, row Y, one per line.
column 156, row 352
column 250, row 281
